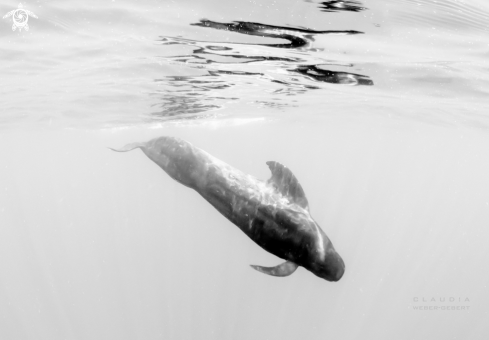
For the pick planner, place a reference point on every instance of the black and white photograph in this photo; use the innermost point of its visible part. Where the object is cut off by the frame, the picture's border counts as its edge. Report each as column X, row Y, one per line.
column 244, row 169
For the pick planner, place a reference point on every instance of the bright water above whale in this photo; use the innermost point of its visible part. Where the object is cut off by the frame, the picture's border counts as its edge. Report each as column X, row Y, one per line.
column 163, row 60
column 379, row 108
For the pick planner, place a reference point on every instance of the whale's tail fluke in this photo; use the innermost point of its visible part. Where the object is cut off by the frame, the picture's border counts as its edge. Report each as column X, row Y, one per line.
column 129, row 147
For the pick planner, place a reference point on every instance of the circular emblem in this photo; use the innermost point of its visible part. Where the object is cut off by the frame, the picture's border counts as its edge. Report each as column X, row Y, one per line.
column 21, row 17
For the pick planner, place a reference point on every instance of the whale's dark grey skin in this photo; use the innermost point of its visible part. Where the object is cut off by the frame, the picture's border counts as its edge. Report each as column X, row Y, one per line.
column 274, row 214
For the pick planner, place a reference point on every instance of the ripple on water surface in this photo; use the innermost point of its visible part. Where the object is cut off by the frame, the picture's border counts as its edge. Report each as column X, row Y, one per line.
column 122, row 64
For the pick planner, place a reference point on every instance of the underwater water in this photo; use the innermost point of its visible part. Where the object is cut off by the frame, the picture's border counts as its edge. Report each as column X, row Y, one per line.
column 379, row 108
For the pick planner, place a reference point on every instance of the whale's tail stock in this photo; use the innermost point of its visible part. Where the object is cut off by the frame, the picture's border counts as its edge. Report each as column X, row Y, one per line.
column 129, row 147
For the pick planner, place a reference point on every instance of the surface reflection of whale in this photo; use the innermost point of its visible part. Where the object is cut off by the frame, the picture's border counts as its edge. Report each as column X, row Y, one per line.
column 342, row 5
column 274, row 214
column 297, row 37
column 334, row 77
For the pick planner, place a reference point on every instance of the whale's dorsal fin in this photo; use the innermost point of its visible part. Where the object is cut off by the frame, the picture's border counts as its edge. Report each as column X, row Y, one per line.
column 285, row 182
column 284, row 269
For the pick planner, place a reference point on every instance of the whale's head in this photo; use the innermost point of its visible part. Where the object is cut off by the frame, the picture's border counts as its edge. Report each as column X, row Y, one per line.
column 330, row 267
column 324, row 261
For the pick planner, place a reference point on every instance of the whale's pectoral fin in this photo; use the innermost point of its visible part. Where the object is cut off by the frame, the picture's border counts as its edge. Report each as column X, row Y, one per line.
column 284, row 269
column 287, row 184
column 129, row 147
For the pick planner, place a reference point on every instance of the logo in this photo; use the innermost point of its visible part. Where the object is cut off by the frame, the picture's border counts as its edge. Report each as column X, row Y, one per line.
column 20, row 18
column 441, row 303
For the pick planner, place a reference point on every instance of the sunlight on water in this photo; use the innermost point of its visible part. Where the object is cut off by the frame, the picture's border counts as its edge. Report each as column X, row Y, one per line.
column 78, row 64
column 379, row 108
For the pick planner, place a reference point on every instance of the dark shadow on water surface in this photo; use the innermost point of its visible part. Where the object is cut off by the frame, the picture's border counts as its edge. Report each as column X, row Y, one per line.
column 341, row 5
column 230, row 71
column 319, row 74
column 297, row 37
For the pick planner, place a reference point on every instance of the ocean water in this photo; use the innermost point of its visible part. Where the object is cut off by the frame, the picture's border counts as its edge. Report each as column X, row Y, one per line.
column 380, row 109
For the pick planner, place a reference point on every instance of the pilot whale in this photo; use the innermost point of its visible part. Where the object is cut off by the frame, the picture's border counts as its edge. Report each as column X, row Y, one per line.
column 274, row 214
